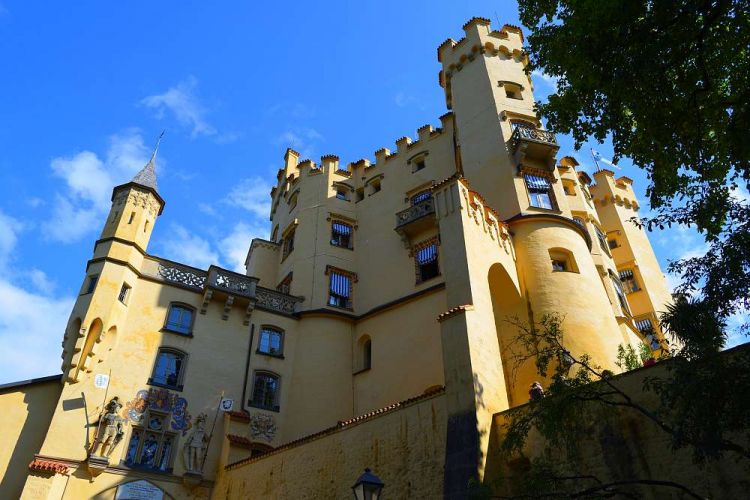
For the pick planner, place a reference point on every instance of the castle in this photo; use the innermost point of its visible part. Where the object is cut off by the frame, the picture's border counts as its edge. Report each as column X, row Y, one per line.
column 370, row 330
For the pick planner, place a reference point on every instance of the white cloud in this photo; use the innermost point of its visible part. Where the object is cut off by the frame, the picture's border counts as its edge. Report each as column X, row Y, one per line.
column 186, row 247
column 402, row 99
column 207, row 209
column 31, row 325
column 234, row 246
column 253, row 195
column 182, row 102
column 89, row 180
column 9, row 229
column 35, row 202
column 31, row 328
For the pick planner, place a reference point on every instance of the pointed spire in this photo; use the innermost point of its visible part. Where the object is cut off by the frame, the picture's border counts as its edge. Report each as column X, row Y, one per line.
column 147, row 176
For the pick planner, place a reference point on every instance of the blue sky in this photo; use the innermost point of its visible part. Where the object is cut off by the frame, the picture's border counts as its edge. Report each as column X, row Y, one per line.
column 87, row 87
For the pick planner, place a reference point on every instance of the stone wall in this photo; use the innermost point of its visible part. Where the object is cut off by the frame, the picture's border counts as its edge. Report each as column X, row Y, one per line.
column 403, row 444
column 624, row 445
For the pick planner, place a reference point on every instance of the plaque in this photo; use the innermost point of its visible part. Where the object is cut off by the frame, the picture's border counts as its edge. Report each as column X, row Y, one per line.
column 139, row 490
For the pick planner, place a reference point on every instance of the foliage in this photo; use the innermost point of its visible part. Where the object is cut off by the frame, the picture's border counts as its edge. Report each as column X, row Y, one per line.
column 669, row 82
column 580, row 394
column 630, row 359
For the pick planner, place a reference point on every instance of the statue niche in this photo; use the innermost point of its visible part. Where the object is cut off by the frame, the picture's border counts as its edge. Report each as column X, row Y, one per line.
column 195, row 446
column 109, row 430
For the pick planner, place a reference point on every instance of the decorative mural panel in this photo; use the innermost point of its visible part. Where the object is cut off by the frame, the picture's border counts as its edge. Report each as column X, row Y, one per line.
column 262, row 427
column 160, row 400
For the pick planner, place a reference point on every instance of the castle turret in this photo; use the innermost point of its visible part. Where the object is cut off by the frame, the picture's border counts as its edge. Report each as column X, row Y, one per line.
column 111, row 273
column 638, row 269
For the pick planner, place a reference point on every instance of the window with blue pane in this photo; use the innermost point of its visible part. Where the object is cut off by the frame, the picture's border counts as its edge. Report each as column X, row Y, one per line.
column 426, row 261
column 169, row 369
column 340, row 290
column 270, row 341
column 421, row 196
column 180, row 319
column 341, row 235
column 265, row 391
column 540, row 191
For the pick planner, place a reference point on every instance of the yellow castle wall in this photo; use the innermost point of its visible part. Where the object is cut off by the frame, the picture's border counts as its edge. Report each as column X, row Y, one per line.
column 25, row 415
column 404, row 448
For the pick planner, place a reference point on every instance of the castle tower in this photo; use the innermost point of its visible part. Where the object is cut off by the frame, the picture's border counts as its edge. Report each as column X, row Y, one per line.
column 110, row 274
column 638, row 269
column 510, row 160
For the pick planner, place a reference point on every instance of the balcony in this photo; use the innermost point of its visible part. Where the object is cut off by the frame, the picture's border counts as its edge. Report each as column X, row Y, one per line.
column 416, row 218
column 534, row 147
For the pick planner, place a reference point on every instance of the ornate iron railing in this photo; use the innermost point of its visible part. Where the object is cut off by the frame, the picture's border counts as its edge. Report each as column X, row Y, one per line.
column 277, row 301
column 233, row 283
column 222, row 280
column 532, row 134
column 416, row 211
column 183, row 275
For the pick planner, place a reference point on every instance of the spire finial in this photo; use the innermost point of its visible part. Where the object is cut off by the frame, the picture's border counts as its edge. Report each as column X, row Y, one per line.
column 147, row 176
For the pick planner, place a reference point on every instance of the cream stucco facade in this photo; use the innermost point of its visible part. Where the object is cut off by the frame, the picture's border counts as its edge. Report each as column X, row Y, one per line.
column 383, row 281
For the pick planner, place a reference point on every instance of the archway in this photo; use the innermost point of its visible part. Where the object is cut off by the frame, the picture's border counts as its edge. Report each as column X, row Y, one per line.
column 508, row 307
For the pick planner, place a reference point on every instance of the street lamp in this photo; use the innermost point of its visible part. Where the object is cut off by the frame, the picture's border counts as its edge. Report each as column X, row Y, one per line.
column 368, row 486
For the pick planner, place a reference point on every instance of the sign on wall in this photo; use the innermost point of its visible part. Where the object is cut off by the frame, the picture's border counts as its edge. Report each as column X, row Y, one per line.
column 101, row 381
column 139, row 490
column 227, row 404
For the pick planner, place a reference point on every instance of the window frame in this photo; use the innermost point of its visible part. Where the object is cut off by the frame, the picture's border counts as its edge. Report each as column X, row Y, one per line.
column 287, row 243
column 124, row 295
column 348, row 300
column 420, row 196
column 349, row 241
column 184, row 306
column 270, row 329
column 419, row 267
column 536, row 194
column 285, row 285
column 91, row 281
column 602, row 237
column 629, row 282
column 620, row 293
column 179, row 386
column 276, row 406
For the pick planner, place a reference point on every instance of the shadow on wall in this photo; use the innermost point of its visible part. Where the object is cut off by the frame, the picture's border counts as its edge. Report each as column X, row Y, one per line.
column 39, row 413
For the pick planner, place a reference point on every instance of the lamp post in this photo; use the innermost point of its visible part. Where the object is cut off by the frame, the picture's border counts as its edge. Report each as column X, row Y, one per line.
column 368, row 486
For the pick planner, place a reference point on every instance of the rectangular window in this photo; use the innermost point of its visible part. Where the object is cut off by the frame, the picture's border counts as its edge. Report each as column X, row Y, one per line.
column 620, row 293
column 270, row 342
column 602, row 239
column 288, row 244
column 360, row 194
column 426, row 259
column 91, row 284
column 647, row 329
column 419, row 165
column 612, row 243
column 340, row 290
column 285, row 285
column 375, row 186
column 341, row 235
column 132, row 216
column 341, row 194
column 179, row 319
column 265, row 392
column 629, row 282
column 124, row 293
column 540, row 191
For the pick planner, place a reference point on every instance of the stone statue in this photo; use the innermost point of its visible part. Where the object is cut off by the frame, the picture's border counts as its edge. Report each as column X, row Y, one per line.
column 195, row 446
column 110, row 429
column 536, row 392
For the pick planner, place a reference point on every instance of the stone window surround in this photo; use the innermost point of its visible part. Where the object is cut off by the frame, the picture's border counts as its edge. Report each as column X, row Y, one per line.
column 180, row 375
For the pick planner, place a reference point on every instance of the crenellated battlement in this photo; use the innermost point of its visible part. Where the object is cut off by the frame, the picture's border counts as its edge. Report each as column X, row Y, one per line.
column 609, row 189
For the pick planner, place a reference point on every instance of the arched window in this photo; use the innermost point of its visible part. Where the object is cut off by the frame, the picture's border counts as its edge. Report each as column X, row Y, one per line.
column 180, row 319
column 265, row 391
column 367, row 355
column 169, row 369
column 271, row 341
column 563, row 260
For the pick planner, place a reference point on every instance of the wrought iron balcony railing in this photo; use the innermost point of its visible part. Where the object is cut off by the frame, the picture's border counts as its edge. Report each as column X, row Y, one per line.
column 415, row 212
column 534, row 135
